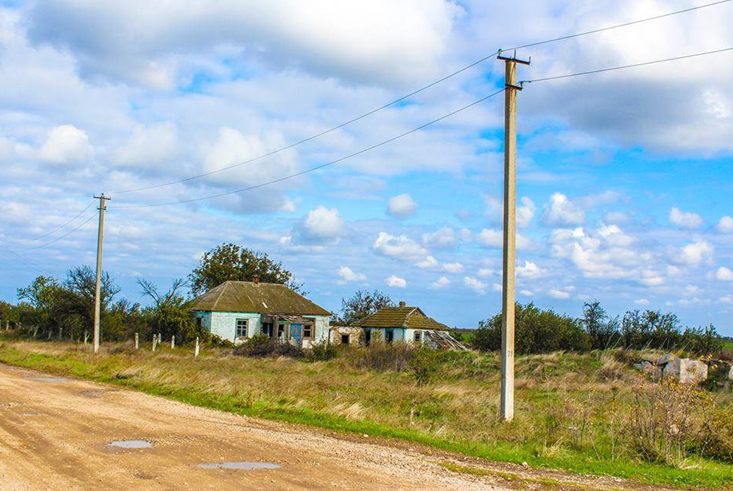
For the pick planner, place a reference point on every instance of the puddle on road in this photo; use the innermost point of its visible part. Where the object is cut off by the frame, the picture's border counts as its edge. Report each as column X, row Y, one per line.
column 130, row 444
column 51, row 379
column 244, row 466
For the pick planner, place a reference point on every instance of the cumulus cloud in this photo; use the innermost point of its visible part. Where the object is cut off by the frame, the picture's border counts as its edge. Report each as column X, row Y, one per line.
column 322, row 224
column 148, row 146
column 394, row 281
column 685, row 219
column 147, row 42
column 725, row 225
column 563, row 212
column 453, row 267
column 428, row 262
column 475, row 284
column 401, row 206
column 530, row 271
column 559, row 294
column 445, row 237
column 495, row 239
column 440, row 283
column 525, row 210
column 724, row 274
column 695, row 253
column 347, row 274
column 400, row 247
column 66, row 144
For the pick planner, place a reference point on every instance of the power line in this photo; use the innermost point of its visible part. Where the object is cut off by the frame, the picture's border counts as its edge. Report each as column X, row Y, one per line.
column 317, row 135
column 21, row 260
column 634, row 65
column 65, row 235
column 65, row 224
column 415, row 92
column 327, row 164
column 625, row 24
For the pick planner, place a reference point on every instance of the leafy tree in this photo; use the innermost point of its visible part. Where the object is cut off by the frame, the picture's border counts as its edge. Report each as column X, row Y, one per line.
column 602, row 329
column 169, row 314
column 362, row 304
column 536, row 331
column 230, row 262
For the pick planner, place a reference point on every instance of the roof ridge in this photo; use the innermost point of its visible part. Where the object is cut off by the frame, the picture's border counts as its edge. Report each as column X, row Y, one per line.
column 224, row 287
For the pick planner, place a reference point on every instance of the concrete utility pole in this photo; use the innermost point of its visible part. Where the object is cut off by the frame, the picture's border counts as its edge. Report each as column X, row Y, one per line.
column 510, row 231
column 98, row 287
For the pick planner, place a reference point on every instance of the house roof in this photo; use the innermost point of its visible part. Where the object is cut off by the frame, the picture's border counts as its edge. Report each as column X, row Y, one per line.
column 400, row 317
column 262, row 298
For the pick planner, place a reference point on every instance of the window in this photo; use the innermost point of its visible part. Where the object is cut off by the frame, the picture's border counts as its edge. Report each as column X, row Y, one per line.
column 389, row 335
column 344, row 339
column 267, row 328
column 241, row 328
column 199, row 321
column 281, row 331
column 367, row 336
column 307, row 331
column 417, row 336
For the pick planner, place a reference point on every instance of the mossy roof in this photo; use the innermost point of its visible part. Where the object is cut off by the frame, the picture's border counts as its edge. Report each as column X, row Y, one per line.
column 262, row 298
column 400, row 317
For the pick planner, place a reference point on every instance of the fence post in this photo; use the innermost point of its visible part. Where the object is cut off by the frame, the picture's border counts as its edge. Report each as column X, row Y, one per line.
column 155, row 341
column 137, row 341
column 35, row 332
column 196, row 349
column 86, row 337
column 61, row 333
column 173, row 341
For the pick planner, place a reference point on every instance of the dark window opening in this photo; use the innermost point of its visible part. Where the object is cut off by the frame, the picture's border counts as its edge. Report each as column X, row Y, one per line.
column 199, row 321
column 389, row 335
column 280, row 331
column 307, row 331
column 241, row 328
column 344, row 339
column 267, row 328
column 417, row 336
column 367, row 337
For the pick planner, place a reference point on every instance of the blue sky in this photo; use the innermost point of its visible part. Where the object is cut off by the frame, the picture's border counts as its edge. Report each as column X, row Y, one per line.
column 624, row 178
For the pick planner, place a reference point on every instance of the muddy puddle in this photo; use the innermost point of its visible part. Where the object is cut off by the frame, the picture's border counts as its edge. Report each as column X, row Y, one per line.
column 130, row 444
column 243, row 466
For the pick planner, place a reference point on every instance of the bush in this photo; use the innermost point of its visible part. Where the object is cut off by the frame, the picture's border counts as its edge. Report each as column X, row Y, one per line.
column 322, row 351
column 262, row 346
column 424, row 363
column 719, row 438
column 381, row 356
column 536, row 331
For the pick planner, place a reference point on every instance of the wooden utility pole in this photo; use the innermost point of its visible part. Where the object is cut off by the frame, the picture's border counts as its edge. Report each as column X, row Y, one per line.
column 98, row 287
column 510, row 232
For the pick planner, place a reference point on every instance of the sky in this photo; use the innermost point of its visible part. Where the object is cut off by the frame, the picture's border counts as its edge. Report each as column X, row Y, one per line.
column 625, row 189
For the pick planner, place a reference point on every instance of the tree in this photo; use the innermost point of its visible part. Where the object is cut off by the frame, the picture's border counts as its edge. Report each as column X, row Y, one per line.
column 362, row 304
column 536, row 331
column 602, row 329
column 230, row 262
column 169, row 314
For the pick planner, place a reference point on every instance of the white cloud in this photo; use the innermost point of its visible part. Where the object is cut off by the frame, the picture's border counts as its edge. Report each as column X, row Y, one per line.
column 347, row 274
column 148, row 146
column 66, row 144
column 396, row 282
column 495, row 239
column 475, row 284
column 561, row 211
column 559, row 294
column 525, row 211
column 530, row 270
column 642, row 301
column 724, row 274
column 695, row 253
column 400, row 247
column 685, row 219
column 483, row 272
column 440, row 283
column 453, row 267
column 323, row 223
column 442, row 238
column 428, row 262
column 401, row 206
column 725, row 225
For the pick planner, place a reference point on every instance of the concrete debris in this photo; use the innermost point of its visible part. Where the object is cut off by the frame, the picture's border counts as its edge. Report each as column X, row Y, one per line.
column 683, row 369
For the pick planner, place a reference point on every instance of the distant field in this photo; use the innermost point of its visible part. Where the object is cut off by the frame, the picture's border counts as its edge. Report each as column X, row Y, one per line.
column 570, row 408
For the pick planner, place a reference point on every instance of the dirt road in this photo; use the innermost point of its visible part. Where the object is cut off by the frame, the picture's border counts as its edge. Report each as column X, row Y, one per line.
column 55, row 435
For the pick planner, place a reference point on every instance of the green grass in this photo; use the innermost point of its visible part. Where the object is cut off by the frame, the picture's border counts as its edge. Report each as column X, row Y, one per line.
column 457, row 412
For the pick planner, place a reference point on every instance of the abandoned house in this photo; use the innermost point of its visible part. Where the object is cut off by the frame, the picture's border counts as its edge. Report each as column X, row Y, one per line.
column 238, row 310
column 408, row 325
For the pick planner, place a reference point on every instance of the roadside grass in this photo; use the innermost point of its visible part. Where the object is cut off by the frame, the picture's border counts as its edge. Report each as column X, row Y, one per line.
column 457, row 411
